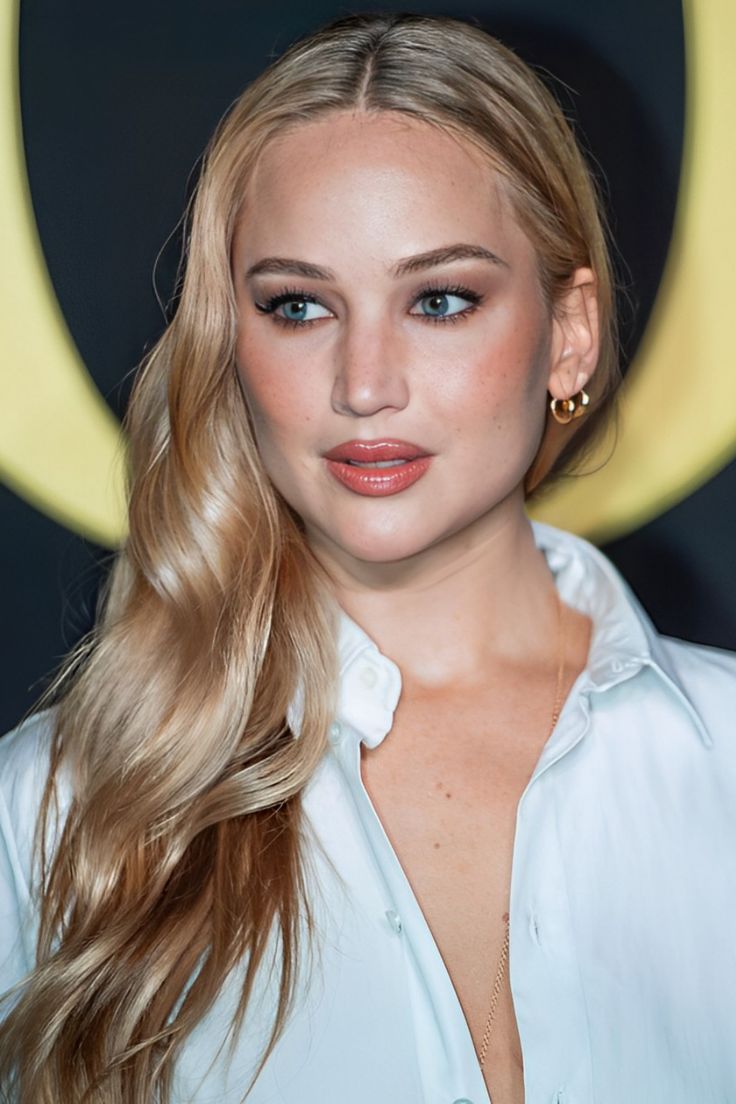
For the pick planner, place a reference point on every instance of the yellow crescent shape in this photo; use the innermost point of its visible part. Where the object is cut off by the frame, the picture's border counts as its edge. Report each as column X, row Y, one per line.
column 60, row 445
column 679, row 397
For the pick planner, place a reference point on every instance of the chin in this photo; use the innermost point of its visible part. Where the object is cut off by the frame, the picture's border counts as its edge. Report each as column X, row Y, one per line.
column 387, row 552
column 378, row 548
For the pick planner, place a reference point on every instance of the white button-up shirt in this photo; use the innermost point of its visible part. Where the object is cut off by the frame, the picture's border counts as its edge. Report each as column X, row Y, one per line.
column 622, row 959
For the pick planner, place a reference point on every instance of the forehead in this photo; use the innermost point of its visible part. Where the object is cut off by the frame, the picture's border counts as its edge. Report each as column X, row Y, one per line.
column 381, row 137
column 372, row 177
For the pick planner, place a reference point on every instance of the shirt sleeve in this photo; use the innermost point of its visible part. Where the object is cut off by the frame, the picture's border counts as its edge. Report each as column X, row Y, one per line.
column 24, row 763
column 16, row 925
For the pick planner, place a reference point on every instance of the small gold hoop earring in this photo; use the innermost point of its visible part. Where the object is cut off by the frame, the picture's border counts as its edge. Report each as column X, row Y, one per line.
column 564, row 410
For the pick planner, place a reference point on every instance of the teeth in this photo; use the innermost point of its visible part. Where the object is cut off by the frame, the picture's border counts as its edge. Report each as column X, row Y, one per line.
column 376, row 463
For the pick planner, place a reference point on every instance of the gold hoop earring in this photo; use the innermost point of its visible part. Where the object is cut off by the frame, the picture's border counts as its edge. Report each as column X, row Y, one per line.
column 564, row 410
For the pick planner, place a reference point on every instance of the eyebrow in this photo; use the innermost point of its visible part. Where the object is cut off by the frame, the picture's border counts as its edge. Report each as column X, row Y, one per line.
column 419, row 262
column 287, row 265
column 445, row 255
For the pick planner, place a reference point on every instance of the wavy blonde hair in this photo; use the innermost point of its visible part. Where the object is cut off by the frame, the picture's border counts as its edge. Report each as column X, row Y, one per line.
column 181, row 852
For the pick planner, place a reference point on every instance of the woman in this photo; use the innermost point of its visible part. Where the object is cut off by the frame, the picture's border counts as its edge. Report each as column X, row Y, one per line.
column 366, row 788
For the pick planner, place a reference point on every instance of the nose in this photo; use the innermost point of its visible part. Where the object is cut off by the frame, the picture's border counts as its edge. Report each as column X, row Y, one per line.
column 371, row 369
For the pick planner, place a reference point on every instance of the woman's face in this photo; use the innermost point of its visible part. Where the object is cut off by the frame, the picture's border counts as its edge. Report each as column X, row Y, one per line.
column 389, row 311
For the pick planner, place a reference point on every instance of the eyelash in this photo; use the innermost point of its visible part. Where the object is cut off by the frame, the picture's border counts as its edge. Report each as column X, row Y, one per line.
column 289, row 294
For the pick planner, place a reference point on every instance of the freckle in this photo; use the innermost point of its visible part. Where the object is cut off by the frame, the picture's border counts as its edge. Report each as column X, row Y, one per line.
column 448, row 795
column 436, row 845
column 438, row 785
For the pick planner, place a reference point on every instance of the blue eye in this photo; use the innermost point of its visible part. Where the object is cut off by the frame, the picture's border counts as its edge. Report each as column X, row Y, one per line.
column 303, row 310
column 440, row 304
column 293, row 308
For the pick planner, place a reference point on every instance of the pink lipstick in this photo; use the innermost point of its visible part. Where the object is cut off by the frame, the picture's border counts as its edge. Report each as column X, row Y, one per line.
column 377, row 468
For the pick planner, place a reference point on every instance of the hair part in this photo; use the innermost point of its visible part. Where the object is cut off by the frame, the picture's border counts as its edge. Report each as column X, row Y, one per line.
column 181, row 854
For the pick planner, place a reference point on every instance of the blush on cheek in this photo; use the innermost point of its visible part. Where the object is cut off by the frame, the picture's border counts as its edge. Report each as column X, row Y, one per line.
column 267, row 399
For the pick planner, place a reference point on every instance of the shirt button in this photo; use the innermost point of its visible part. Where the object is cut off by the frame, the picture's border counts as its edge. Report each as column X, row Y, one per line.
column 462, row 1100
column 394, row 919
column 335, row 731
column 368, row 676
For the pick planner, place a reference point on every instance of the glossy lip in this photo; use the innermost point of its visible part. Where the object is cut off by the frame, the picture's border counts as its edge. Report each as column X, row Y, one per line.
column 377, row 482
column 386, row 448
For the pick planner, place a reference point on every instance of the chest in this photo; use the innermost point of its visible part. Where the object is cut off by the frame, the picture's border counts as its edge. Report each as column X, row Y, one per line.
column 446, row 784
column 450, row 814
column 613, row 955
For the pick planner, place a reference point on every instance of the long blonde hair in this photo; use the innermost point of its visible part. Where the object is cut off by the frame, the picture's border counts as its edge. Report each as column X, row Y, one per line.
column 181, row 851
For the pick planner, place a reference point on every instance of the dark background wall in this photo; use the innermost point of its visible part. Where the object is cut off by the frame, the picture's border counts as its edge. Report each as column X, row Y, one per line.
column 117, row 103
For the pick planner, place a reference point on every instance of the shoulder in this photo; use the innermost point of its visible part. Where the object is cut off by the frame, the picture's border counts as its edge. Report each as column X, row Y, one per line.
column 701, row 663
column 707, row 675
column 24, row 759
column 25, row 755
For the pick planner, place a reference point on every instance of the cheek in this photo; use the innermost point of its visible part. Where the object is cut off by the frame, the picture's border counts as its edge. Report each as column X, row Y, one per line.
column 498, row 381
column 276, row 392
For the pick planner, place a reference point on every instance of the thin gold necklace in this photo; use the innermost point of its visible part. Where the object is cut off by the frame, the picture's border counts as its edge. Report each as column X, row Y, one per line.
column 505, row 948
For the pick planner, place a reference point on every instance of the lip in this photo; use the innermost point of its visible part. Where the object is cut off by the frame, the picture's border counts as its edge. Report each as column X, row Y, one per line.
column 377, row 482
column 387, row 448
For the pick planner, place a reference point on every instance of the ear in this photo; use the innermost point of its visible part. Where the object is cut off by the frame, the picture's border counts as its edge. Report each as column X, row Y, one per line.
column 575, row 336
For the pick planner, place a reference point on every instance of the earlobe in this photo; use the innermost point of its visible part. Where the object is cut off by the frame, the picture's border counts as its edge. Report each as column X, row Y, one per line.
column 575, row 342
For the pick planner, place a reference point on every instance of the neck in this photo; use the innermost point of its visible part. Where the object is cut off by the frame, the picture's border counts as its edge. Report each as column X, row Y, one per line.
column 443, row 616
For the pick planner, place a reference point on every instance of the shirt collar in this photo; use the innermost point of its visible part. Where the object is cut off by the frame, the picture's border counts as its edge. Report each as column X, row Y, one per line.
column 370, row 685
column 623, row 641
